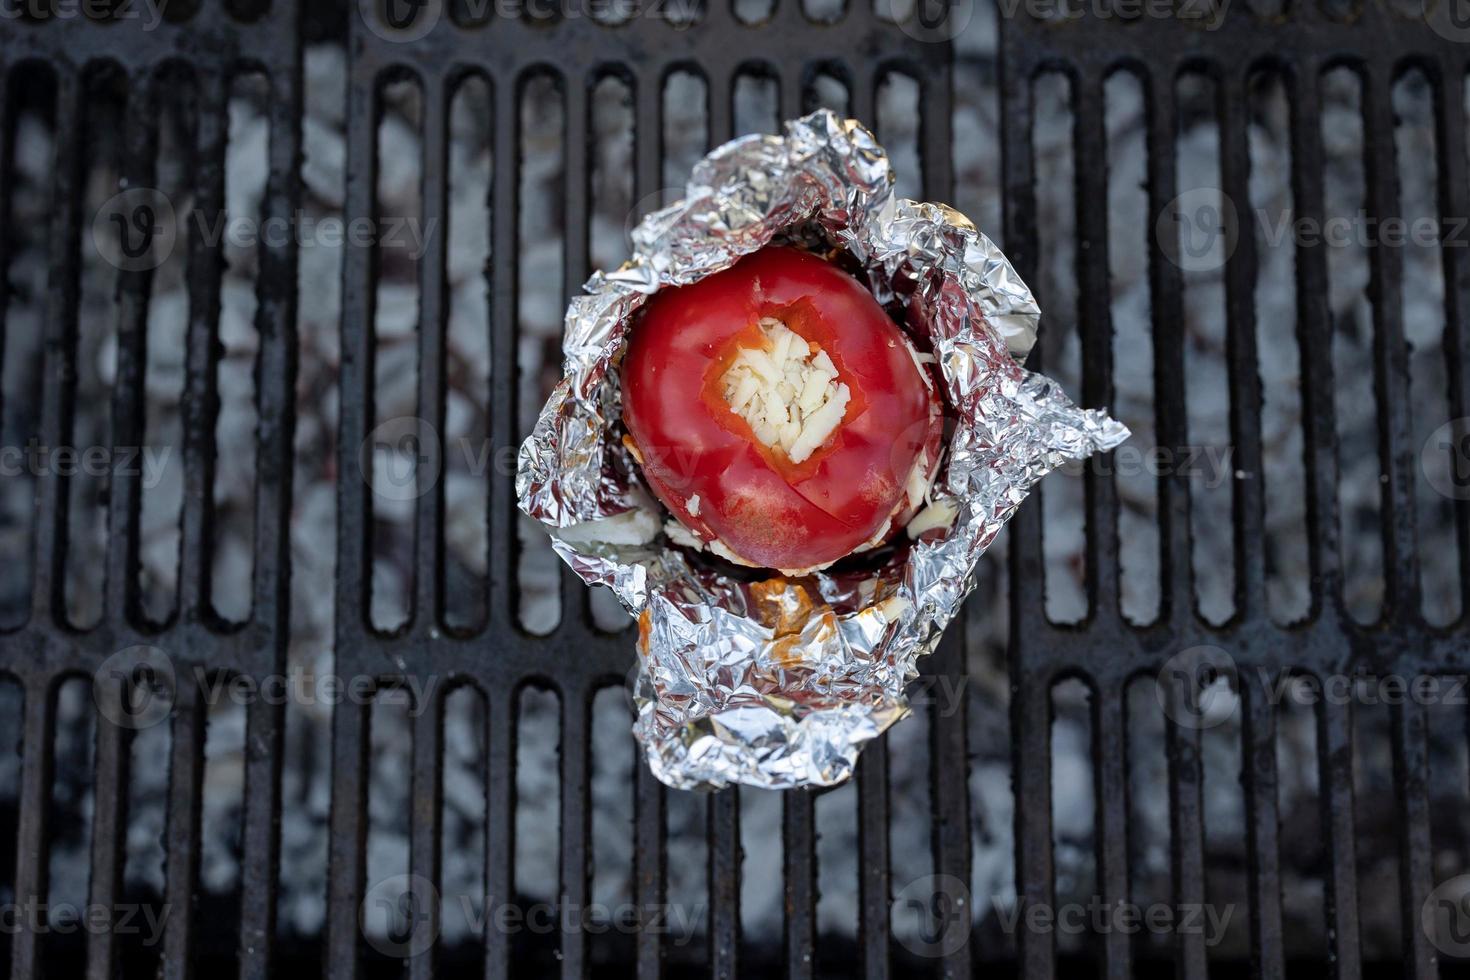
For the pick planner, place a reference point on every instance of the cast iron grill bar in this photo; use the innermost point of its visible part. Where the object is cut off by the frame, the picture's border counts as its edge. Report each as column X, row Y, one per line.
column 1166, row 290
column 504, row 365
column 576, row 825
column 62, row 289
column 651, row 856
column 359, row 304
column 1035, row 881
column 1262, row 825
column 1314, row 334
column 949, row 757
column 181, row 872
column 724, row 884
column 1102, row 569
column 576, row 597
column 1232, row 99
column 949, row 752
column 345, row 858
column 32, row 841
column 427, row 607
column 1448, row 82
column 1416, row 872
column 874, row 889
column 275, row 326
column 1186, row 812
column 1390, row 356
column 425, row 825
column 1259, row 730
column 1335, row 759
column 1109, row 734
column 798, row 855
column 1031, row 683
column 723, row 807
column 1094, row 311
column 500, row 818
column 201, row 394
column 8, row 116
column 109, row 811
column 140, row 148
column 1186, row 835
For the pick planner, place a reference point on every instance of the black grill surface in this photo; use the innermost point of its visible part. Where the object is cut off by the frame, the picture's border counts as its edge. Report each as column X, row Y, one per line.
column 577, row 659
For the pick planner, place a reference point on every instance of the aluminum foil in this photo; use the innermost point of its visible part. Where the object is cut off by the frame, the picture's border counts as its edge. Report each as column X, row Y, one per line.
column 780, row 682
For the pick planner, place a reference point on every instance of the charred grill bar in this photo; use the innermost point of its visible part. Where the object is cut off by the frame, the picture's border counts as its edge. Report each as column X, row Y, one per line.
column 577, row 659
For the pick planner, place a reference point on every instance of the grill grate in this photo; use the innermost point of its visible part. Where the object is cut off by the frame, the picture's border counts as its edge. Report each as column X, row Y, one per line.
column 577, row 659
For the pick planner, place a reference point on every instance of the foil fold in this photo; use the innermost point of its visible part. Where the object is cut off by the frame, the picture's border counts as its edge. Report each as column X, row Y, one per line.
column 778, row 682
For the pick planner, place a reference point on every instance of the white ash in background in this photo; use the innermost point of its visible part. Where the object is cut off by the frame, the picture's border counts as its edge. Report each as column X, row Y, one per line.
column 306, row 787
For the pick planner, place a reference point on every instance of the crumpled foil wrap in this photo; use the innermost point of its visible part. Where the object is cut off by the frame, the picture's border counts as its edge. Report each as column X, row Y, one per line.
column 780, row 683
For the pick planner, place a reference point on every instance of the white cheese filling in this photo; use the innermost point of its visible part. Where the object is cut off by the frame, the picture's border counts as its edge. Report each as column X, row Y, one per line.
column 787, row 389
